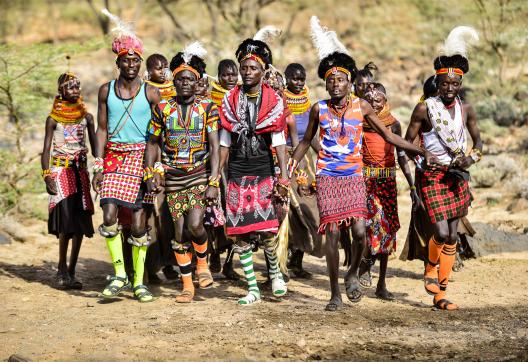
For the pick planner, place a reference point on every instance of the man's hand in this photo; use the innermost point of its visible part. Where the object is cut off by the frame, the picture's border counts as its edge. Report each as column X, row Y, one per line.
column 463, row 162
column 51, row 185
column 97, row 181
column 416, row 201
column 430, row 159
column 211, row 195
column 154, row 183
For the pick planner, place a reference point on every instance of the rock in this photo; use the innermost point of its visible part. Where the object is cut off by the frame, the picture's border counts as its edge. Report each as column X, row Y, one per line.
column 4, row 239
column 518, row 205
column 17, row 358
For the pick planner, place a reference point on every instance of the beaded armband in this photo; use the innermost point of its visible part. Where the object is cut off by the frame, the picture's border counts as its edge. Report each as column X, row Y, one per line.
column 302, row 177
column 214, row 181
column 158, row 168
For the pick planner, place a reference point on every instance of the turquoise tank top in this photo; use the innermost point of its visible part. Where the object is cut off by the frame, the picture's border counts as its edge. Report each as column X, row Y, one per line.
column 128, row 123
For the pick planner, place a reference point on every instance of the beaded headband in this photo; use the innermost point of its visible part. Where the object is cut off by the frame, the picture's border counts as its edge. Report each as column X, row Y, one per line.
column 185, row 66
column 450, row 72
column 334, row 70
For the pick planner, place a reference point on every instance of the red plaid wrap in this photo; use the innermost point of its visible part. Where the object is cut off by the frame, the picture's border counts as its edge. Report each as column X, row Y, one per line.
column 340, row 201
column 123, row 172
column 445, row 196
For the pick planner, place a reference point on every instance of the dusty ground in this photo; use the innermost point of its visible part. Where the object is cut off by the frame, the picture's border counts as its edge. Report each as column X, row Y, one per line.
column 41, row 323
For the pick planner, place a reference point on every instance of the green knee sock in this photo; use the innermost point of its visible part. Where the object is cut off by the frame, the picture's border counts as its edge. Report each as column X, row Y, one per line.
column 274, row 270
column 139, row 254
column 247, row 264
column 115, row 247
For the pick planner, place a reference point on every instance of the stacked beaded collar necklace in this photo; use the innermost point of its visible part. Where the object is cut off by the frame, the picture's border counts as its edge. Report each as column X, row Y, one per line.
column 67, row 112
column 298, row 103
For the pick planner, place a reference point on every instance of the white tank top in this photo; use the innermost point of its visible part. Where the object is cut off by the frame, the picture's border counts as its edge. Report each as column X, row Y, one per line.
column 433, row 144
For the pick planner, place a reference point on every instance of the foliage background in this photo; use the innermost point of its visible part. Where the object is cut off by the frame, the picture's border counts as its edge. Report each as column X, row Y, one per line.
column 400, row 36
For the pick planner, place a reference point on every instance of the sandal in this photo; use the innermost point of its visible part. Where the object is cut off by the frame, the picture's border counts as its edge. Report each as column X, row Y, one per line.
column 365, row 280
column 444, row 304
column 63, row 280
column 251, row 298
column 113, row 288
column 75, row 283
column 385, row 295
column 431, row 285
column 186, row 296
column 144, row 296
column 333, row 306
column 205, row 279
column 354, row 295
column 302, row 274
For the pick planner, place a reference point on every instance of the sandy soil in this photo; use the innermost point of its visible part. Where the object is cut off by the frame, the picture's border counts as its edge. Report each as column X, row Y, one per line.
column 39, row 322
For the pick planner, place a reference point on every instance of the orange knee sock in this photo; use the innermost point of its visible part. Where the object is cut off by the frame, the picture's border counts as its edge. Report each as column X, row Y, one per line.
column 435, row 250
column 184, row 262
column 447, row 259
column 201, row 254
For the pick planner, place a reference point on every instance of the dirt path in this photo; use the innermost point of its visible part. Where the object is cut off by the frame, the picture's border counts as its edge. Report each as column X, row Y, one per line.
column 42, row 323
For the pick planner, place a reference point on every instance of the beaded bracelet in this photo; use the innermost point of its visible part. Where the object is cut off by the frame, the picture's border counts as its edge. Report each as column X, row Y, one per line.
column 412, row 188
column 148, row 173
column 214, row 183
column 476, row 154
column 158, row 168
column 45, row 173
column 292, row 165
column 98, row 165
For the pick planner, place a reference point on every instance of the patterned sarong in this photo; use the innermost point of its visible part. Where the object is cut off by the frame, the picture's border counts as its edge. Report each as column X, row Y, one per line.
column 123, row 174
column 445, row 196
column 340, row 201
column 66, row 181
column 382, row 221
column 250, row 206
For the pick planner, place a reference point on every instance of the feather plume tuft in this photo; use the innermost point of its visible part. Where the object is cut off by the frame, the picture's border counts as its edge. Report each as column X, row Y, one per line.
column 194, row 49
column 121, row 28
column 325, row 41
column 267, row 33
column 459, row 40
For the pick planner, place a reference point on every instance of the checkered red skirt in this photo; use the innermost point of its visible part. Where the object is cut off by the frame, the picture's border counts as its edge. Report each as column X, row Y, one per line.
column 444, row 195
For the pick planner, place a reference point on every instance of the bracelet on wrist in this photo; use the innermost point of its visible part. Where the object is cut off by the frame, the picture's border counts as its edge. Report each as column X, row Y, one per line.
column 214, row 183
column 98, row 165
column 475, row 154
column 292, row 165
column 412, row 188
column 45, row 173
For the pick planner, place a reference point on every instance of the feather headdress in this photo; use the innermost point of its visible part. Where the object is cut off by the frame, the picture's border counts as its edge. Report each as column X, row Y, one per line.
column 125, row 41
column 324, row 40
column 458, row 41
column 194, row 49
column 267, row 33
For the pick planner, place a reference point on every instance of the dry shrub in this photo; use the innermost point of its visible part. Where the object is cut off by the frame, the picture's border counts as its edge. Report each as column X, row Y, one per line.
column 519, row 187
column 493, row 169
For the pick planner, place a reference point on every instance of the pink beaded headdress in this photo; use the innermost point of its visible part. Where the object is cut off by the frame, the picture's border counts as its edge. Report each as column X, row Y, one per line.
column 125, row 41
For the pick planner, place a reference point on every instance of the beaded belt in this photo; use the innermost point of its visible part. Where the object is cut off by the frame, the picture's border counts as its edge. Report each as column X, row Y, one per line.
column 379, row 171
column 66, row 162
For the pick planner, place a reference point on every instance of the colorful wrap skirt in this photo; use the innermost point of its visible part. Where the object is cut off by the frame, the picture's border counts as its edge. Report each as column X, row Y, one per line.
column 185, row 191
column 382, row 220
column 340, row 201
column 123, row 174
column 71, row 209
column 250, row 206
column 445, row 196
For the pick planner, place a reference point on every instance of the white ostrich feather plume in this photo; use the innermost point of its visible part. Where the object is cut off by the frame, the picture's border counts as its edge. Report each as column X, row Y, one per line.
column 459, row 40
column 121, row 28
column 325, row 41
column 195, row 48
column 267, row 33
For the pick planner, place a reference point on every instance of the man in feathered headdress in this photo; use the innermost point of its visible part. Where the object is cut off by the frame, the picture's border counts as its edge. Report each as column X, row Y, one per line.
column 189, row 164
column 252, row 122
column 125, row 108
column 442, row 121
column 341, row 195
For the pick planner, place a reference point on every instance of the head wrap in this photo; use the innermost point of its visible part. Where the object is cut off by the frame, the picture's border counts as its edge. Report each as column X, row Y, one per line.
column 191, row 59
column 125, row 41
column 256, row 48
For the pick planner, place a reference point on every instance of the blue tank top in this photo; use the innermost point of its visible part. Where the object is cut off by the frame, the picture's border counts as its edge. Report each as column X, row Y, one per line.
column 301, row 121
column 128, row 123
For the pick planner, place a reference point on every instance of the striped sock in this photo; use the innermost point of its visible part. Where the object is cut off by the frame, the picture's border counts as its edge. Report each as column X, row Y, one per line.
column 447, row 259
column 184, row 262
column 247, row 264
column 274, row 271
column 201, row 254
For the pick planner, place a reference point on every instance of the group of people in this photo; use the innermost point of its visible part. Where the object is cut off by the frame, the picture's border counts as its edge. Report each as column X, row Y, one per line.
column 253, row 164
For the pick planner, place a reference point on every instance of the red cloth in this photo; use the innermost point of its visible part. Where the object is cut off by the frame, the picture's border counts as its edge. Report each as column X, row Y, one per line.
column 272, row 112
column 376, row 152
column 340, row 200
